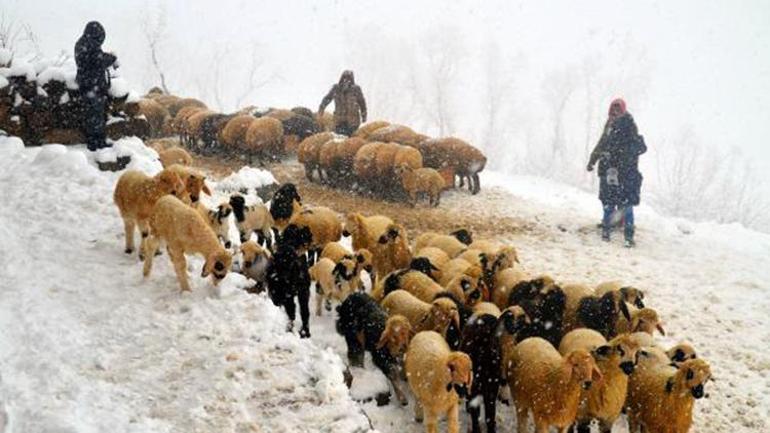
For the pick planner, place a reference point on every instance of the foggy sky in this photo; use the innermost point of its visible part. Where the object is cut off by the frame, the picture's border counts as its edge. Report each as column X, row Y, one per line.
column 709, row 61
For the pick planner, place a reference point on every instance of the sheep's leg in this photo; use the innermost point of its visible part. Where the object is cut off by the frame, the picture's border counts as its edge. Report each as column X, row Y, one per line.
column 396, row 383
column 180, row 266
column 581, row 426
column 149, row 255
column 304, row 311
column 476, row 183
column 474, row 412
column 462, row 181
column 521, row 417
column 128, row 226
column 418, row 415
column 490, row 407
column 453, row 419
column 319, row 297
column 355, row 349
column 144, row 229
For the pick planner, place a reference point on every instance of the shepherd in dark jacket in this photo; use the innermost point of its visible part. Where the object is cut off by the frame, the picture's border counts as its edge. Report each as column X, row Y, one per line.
column 349, row 104
column 620, row 181
column 93, row 82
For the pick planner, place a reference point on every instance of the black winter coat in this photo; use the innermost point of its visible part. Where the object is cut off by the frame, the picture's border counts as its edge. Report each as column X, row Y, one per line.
column 91, row 61
column 287, row 274
column 618, row 151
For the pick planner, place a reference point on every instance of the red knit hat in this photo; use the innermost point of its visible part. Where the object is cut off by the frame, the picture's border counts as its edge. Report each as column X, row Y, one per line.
column 620, row 103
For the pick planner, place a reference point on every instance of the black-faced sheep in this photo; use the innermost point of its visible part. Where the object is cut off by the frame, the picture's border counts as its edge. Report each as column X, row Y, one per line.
column 421, row 181
column 323, row 223
column 333, row 281
column 392, row 251
column 288, row 276
column 256, row 260
column 218, row 219
column 252, row 219
column 644, row 320
column 437, row 376
column 365, row 130
column 386, row 338
column 362, row 257
column 423, row 316
column 544, row 304
column 286, row 201
column 598, row 313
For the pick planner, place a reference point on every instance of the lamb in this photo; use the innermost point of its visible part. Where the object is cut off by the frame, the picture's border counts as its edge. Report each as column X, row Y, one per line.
column 661, row 399
column 656, row 355
column 437, row 376
column 412, row 281
column 333, row 281
column 386, row 338
column 307, row 151
column 481, row 339
column 362, row 257
column 616, row 361
column 174, row 155
column 324, row 224
column 598, row 313
column 544, row 304
column 344, row 157
column 630, row 295
column 135, row 196
column 183, row 230
column 218, row 219
column 191, row 127
column 547, row 384
column 180, row 104
column 178, row 120
column 450, row 244
column 264, row 138
column 437, row 259
column 457, row 267
column 256, row 260
column 423, row 180
column 233, row 135
column 194, row 183
column 288, row 276
column 463, row 159
column 644, row 320
column 155, row 113
column 286, row 201
column 366, row 231
column 392, row 251
column 252, row 219
column 423, row 316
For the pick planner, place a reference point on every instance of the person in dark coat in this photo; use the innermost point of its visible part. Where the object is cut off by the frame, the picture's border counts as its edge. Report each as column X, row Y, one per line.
column 93, row 82
column 288, row 276
column 349, row 104
column 620, row 181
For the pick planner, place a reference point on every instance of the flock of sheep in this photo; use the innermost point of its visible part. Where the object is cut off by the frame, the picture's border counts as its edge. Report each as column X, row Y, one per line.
column 456, row 316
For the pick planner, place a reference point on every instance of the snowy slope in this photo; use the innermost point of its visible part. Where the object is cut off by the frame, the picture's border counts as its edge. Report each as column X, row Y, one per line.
column 88, row 346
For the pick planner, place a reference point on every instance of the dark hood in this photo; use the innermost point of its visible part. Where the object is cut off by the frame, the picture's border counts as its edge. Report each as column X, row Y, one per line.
column 94, row 32
column 347, row 78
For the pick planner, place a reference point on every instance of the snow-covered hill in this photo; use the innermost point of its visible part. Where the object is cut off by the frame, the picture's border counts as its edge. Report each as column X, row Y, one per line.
column 87, row 345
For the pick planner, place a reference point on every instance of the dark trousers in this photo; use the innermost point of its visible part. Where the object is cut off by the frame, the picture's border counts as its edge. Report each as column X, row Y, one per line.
column 94, row 121
column 344, row 128
column 628, row 219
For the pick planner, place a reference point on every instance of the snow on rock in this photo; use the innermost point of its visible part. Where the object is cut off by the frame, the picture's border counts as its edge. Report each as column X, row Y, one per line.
column 88, row 345
column 22, row 69
column 3, row 81
column 118, row 87
column 55, row 73
column 245, row 179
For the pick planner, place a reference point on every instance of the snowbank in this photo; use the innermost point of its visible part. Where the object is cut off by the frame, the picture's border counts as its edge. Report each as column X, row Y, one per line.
column 88, row 345
column 245, row 179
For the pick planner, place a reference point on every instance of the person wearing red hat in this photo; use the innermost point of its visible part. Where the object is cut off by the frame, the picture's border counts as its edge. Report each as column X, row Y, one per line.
column 620, row 181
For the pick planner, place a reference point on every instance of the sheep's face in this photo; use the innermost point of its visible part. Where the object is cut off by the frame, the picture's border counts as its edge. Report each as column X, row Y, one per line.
column 506, row 258
column 463, row 236
column 195, row 185
column 445, row 311
column 343, row 272
column 218, row 265
column 472, row 290
column 622, row 350
column 170, row 183
column 224, row 211
column 633, row 296
column 364, row 260
column 461, row 373
column 647, row 320
column 393, row 232
column 352, row 226
column 251, row 253
column 581, row 367
column 692, row 375
column 396, row 336
column 514, row 319
column 681, row 353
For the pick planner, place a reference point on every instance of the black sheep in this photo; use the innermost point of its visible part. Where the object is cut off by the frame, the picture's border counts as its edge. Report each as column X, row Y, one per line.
column 282, row 204
column 288, row 276
column 601, row 314
column 453, row 334
column 544, row 304
column 359, row 314
column 481, row 341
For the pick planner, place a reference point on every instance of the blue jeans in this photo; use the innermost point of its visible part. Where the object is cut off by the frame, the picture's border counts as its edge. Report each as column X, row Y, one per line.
column 628, row 219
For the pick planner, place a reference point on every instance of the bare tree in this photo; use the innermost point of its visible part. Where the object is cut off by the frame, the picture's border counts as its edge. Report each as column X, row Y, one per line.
column 154, row 29
column 558, row 88
column 16, row 36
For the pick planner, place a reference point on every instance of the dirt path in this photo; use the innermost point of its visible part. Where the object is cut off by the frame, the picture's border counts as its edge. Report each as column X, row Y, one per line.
column 458, row 208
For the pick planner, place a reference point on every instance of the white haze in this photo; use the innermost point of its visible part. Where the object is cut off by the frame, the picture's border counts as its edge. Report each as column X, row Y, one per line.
column 695, row 74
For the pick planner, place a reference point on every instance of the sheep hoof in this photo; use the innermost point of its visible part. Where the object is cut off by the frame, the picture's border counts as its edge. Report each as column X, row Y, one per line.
column 304, row 333
column 128, row 250
column 141, row 257
column 328, row 305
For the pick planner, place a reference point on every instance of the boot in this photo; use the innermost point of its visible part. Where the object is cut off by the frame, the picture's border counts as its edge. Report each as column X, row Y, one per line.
column 605, row 233
column 629, row 235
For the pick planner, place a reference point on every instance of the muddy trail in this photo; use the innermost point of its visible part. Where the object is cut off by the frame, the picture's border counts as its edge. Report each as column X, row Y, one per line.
column 459, row 209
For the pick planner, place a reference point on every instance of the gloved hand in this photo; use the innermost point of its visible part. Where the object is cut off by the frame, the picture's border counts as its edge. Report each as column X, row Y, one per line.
column 590, row 167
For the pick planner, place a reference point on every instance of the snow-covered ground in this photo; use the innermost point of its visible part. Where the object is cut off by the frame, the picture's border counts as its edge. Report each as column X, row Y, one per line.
column 89, row 346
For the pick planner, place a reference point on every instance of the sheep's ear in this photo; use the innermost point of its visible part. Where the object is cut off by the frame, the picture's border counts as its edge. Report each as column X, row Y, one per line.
column 596, row 374
column 360, row 258
column 660, row 329
column 205, row 188
column 670, row 384
column 624, row 310
column 603, row 351
column 383, row 339
column 205, row 271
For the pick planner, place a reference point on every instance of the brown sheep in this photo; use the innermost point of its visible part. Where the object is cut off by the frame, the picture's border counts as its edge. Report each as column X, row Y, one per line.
column 437, row 376
column 346, row 154
column 465, row 160
column 616, row 360
column 192, row 126
column 155, row 113
column 456, row 267
column 422, row 180
column 166, row 101
column 178, row 121
column 365, row 130
column 333, row 281
column 162, row 143
column 398, row 134
column 233, row 135
column 326, row 121
column 661, row 399
column 392, row 250
column 423, row 316
column 183, row 231
column 450, row 244
column 364, row 167
column 436, row 257
column 194, row 182
column 135, row 195
column 547, row 384
column 324, row 225
column 644, row 320
column 264, row 138
column 174, row 155
column 363, row 258
column 180, row 104
column 366, row 231
column 307, row 152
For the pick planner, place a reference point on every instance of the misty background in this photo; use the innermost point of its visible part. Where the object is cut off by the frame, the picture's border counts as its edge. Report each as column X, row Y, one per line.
column 527, row 82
